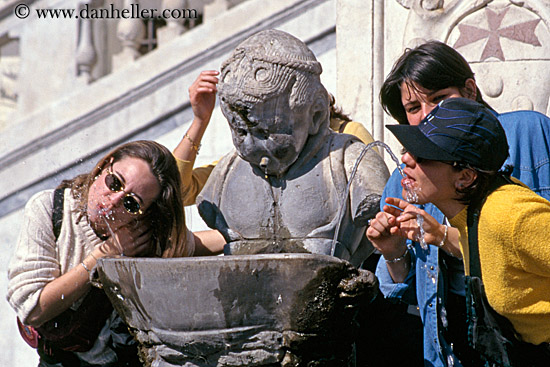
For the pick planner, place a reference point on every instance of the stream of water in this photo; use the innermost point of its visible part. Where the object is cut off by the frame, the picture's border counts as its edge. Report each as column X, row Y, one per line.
column 411, row 193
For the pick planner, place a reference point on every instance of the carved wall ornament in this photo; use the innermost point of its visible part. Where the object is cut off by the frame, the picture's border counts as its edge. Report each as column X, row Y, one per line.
column 495, row 30
column 492, row 86
column 488, row 32
column 522, row 103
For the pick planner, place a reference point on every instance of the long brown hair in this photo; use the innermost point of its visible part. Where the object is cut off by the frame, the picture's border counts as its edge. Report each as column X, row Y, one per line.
column 166, row 212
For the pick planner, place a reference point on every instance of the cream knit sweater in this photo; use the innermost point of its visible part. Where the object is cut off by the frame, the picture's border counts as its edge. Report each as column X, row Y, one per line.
column 38, row 259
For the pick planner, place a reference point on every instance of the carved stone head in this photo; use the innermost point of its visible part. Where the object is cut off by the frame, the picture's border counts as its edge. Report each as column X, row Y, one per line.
column 272, row 96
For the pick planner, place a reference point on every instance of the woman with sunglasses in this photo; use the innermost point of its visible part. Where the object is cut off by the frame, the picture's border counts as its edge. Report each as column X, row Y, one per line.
column 128, row 205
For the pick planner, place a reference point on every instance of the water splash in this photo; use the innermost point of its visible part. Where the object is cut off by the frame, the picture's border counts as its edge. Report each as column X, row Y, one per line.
column 115, row 240
column 106, row 213
column 411, row 195
column 421, row 240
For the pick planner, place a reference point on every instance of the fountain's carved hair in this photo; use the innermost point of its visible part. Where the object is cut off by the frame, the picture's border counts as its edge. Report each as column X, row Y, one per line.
column 166, row 213
column 267, row 64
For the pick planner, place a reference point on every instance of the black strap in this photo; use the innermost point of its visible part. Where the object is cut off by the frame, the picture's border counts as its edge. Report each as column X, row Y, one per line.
column 473, row 220
column 57, row 211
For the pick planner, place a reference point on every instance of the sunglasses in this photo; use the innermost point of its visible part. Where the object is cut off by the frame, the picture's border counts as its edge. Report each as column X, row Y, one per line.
column 114, row 184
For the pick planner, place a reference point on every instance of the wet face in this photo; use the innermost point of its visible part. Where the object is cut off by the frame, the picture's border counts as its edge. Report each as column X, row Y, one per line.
column 123, row 191
column 419, row 101
column 432, row 181
column 268, row 134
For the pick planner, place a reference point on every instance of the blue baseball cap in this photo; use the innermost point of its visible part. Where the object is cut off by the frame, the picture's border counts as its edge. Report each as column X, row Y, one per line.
column 457, row 130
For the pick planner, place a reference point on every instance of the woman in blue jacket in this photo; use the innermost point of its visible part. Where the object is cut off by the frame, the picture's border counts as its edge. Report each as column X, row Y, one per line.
column 419, row 80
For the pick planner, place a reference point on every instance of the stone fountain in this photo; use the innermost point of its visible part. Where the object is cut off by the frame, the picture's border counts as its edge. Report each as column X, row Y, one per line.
column 260, row 310
column 294, row 222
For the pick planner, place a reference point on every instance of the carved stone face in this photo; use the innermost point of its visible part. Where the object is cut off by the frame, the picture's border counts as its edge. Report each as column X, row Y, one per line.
column 271, row 94
column 268, row 134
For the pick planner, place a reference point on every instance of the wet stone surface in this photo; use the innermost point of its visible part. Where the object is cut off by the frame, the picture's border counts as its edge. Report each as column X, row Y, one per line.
column 256, row 310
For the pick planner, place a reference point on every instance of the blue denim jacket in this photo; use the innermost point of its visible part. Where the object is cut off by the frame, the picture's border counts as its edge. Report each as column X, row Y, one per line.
column 528, row 132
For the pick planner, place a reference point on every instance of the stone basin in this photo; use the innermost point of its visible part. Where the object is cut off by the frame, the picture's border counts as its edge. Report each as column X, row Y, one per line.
column 244, row 310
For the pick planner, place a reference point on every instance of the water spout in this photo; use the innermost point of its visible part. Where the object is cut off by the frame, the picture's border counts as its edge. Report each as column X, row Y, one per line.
column 411, row 196
column 264, row 162
column 351, row 177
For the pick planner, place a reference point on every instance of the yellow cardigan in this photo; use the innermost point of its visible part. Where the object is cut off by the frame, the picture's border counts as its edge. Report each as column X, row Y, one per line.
column 514, row 251
column 193, row 180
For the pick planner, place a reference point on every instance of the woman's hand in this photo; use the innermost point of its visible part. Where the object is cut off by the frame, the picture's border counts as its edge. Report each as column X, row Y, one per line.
column 434, row 232
column 384, row 233
column 202, row 94
column 132, row 239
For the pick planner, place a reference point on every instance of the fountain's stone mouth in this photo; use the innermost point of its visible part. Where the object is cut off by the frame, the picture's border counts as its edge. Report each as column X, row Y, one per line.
column 242, row 310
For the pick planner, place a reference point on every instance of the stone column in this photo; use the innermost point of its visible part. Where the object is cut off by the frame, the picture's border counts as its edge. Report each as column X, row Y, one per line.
column 130, row 32
column 174, row 26
column 86, row 55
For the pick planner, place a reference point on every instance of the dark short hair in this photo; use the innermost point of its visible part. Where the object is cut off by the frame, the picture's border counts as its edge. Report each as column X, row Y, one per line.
column 433, row 65
column 479, row 187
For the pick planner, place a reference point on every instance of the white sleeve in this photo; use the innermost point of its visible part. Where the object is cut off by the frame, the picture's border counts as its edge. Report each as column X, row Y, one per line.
column 35, row 261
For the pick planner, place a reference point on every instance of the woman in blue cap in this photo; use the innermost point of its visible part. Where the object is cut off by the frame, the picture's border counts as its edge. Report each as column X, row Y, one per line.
column 453, row 160
column 421, row 78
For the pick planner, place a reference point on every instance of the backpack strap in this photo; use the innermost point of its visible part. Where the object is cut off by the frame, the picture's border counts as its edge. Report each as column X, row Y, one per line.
column 29, row 334
column 57, row 211
column 474, row 210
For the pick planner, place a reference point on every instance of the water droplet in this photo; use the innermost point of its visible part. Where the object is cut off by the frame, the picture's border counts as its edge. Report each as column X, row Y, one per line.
column 444, row 321
column 62, row 296
column 450, row 361
column 420, row 221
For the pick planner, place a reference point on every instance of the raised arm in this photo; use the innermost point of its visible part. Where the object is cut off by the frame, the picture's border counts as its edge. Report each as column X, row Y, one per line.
column 202, row 94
